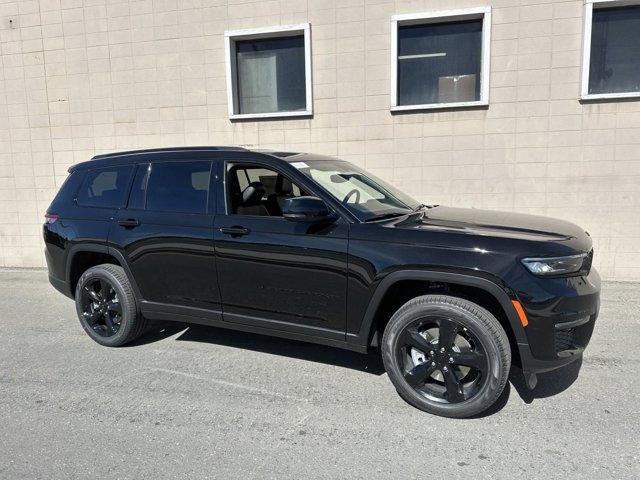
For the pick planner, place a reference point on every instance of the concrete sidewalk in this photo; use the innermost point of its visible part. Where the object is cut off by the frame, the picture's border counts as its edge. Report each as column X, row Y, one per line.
column 219, row 404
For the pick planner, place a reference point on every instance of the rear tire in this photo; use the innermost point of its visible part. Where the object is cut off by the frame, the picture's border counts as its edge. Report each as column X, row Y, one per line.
column 446, row 355
column 106, row 306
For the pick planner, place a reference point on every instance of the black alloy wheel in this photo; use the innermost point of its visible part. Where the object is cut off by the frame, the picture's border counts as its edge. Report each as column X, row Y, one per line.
column 446, row 355
column 101, row 307
column 442, row 359
column 107, row 307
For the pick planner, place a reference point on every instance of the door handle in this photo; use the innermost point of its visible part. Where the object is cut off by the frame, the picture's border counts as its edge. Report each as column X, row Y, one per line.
column 235, row 231
column 129, row 223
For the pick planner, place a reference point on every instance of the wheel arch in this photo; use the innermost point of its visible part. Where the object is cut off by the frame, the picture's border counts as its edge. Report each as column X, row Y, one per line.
column 83, row 256
column 398, row 287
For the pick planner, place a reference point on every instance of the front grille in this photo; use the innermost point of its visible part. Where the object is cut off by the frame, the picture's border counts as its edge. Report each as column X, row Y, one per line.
column 564, row 339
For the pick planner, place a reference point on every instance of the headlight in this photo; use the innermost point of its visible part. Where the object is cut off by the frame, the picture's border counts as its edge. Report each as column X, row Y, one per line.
column 551, row 266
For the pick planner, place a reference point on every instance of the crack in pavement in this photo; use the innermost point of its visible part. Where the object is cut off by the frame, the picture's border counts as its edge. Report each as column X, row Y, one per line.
column 225, row 383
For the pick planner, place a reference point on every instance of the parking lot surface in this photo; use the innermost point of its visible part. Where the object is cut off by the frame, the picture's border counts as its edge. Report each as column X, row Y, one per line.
column 212, row 403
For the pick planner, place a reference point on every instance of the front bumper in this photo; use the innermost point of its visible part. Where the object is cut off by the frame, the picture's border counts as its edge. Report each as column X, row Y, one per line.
column 61, row 286
column 562, row 313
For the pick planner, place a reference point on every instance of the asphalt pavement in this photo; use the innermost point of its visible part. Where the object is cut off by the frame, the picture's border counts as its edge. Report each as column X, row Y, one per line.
column 211, row 403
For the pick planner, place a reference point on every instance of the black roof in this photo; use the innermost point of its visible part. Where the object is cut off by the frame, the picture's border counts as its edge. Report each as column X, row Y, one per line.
column 125, row 157
column 165, row 149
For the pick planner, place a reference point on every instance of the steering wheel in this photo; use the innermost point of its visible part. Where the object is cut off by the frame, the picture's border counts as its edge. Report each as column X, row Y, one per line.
column 353, row 192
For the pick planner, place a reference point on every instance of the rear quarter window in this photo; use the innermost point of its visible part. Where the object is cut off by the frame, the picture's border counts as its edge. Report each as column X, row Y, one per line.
column 105, row 187
column 65, row 196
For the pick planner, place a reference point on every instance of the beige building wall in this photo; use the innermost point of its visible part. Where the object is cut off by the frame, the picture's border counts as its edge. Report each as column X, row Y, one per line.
column 80, row 77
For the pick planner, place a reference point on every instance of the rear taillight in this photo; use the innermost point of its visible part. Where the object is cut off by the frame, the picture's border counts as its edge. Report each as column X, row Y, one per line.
column 50, row 218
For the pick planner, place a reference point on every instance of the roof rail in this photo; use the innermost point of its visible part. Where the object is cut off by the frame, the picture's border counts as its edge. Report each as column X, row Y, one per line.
column 166, row 149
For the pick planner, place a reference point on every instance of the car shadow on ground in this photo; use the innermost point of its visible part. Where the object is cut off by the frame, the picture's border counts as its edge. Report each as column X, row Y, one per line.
column 368, row 363
column 549, row 384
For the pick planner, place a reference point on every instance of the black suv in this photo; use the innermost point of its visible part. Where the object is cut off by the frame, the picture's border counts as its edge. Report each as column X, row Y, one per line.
column 316, row 249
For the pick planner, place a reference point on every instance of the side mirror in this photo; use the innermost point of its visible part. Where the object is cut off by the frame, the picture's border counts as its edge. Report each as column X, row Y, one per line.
column 306, row 209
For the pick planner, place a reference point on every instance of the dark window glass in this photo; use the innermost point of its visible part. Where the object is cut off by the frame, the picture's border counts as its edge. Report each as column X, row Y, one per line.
column 178, row 187
column 68, row 190
column 139, row 187
column 615, row 50
column 105, row 187
column 439, row 62
column 270, row 75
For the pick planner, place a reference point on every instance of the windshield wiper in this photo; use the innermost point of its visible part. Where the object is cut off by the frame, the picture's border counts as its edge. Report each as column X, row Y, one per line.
column 386, row 215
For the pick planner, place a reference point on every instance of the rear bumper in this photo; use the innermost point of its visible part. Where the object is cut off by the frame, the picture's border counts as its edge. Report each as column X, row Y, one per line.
column 562, row 315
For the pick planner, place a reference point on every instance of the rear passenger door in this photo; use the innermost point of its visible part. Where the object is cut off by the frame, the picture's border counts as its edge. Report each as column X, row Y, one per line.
column 166, row 235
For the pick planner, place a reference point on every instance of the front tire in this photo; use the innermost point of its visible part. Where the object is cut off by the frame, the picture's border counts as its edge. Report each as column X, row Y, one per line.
column 446, row 355
column 106, row 306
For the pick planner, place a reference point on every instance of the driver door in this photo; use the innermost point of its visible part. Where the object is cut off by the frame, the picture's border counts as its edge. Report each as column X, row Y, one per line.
column 275, row 273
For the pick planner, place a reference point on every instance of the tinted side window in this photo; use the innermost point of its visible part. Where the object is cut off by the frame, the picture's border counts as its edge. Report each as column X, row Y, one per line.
column 67, row 192
column 105, row 187
column 178, row 187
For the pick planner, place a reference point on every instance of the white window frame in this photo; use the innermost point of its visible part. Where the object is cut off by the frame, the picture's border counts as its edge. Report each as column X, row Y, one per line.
column 586, row 49
column 440, row 17
column 231, row 36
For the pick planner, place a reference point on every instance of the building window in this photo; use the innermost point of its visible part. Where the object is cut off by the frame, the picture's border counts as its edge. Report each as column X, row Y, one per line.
column 269, row 72
column 440, row 60
column 611, row 59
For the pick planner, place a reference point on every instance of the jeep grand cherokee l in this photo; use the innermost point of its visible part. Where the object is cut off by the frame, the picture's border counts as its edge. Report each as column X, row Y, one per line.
column 316, row 249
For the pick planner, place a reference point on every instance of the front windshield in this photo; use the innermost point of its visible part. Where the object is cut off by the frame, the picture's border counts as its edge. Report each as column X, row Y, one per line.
column 368, row 197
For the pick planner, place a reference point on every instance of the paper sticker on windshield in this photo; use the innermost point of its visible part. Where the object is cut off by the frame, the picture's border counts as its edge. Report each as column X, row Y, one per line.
column 299, row 165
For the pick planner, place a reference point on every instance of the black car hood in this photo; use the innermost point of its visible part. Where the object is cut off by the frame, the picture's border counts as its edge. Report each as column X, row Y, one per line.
column 491, row 223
